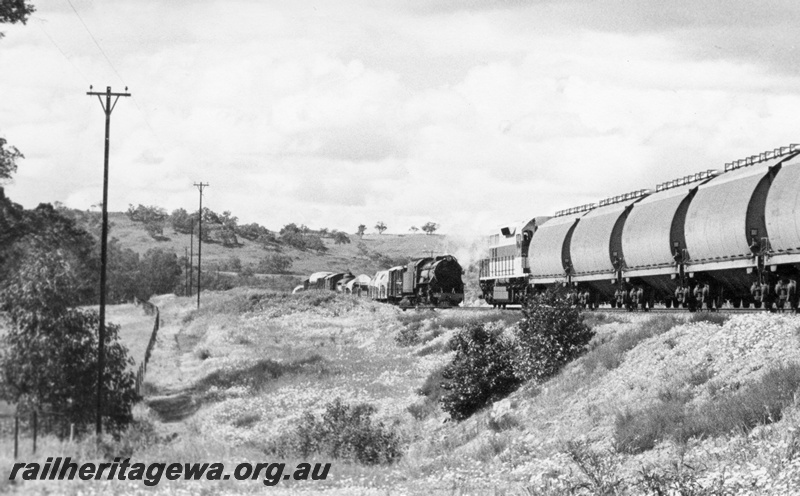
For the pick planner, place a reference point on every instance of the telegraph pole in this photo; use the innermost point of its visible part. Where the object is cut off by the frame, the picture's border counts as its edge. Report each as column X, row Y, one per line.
column 108, row 107
column 186, row 271
column 191, row 259
column 200, row 240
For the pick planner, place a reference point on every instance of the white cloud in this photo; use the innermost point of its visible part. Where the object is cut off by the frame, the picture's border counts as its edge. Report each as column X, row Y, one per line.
column 339, row 115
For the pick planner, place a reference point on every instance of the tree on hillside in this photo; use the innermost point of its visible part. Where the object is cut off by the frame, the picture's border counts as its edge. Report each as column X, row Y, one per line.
column 361, row 230
column 340, row 238
column 48, row 357
column 274, row 264
column 182, row 221
column 430, row 227
column 255, row 232
column 289, row 228
column 45, row 228
column 160, row 273
column 380, row 227
column 154, row 218
column 414, row 229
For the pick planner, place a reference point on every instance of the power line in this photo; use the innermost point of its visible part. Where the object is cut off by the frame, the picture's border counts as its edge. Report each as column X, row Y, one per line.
column 41, row 26
column 96, row 43
column 108, row 60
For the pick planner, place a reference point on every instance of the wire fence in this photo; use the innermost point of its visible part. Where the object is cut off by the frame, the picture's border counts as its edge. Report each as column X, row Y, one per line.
column 149, row 309
column 34, row 425
column 39, row 423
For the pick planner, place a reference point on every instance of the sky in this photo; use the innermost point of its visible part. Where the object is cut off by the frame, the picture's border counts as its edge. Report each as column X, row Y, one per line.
column 465, row 113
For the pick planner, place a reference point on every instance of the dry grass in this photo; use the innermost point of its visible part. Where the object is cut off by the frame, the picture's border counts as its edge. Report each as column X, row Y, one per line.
column 235, row 376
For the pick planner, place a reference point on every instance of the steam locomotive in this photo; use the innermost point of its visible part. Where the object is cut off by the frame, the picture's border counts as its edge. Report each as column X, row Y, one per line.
column 432, row 281
column 707, row 240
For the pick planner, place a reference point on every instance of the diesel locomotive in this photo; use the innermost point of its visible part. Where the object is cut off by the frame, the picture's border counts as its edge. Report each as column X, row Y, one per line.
column 714, row 238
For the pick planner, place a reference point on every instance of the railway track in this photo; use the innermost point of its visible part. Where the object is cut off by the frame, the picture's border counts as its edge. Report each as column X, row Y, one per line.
column 623, row 310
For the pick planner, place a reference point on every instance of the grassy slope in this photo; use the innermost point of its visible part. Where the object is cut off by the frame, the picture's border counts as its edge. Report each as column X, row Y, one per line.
column 338, row 258
column 340, row 347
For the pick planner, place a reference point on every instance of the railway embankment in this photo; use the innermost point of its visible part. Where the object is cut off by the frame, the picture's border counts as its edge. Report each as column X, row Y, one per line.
column 658, row 401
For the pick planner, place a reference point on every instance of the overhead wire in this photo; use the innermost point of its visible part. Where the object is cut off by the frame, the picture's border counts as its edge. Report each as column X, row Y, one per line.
column 108, row 60
column 66, row 57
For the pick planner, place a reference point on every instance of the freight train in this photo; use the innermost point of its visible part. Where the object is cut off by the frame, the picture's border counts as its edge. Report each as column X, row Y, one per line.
column 716, row 238
column 430, row 282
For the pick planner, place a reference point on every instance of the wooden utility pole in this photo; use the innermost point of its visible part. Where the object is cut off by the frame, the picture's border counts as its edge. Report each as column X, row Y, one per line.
column 186, row 271
column 191, row 258
column 108, row 107
column 200, row 240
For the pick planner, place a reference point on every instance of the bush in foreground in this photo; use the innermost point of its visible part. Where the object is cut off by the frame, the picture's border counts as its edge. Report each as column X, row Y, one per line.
column 49, row 353
column 346, row 432
column 481, row 372
column 550, row 334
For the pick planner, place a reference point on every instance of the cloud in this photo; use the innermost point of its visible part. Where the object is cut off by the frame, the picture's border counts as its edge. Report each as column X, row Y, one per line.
column 464, row 113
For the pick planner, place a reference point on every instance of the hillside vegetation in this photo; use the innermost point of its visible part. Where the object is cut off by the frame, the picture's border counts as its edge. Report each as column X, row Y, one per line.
column 657, row 405
column 272, row 262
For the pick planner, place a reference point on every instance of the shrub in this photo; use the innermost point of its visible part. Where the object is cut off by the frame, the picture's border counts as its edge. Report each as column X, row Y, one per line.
column 610, row 352
column 432, row 391
column 714, row 318
column 481, row 372
column 760, row 403
column 347, row 432
column 412, row 323
column 639, row 432
column 275, row 264
column 550, row 334
column 599, row 469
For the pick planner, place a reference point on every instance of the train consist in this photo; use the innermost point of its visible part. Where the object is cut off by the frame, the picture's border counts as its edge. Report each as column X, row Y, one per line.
column 432, row 281
column 715, row 238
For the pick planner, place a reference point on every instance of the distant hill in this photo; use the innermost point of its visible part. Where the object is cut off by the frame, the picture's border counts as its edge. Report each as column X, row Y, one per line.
column 364, row 255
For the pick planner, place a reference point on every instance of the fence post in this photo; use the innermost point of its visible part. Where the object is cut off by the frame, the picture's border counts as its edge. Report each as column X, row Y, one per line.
column 35, row 420
column 16, row 435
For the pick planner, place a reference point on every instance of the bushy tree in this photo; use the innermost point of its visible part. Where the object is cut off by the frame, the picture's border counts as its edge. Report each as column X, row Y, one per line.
column 482, row 371
column 182, row 221
column 123, row 275
column 361, row 230
column 275, row 264
column 430, row 227
column 160, row 273
column 380, row 227
column 340, row 238
column 49, row 354
column 255, row 231
column 413, row 229
column 8, row 158
column 550, row 334
column 227, row 236
column 14, row 11
column 154, row 218
column 44, row 228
